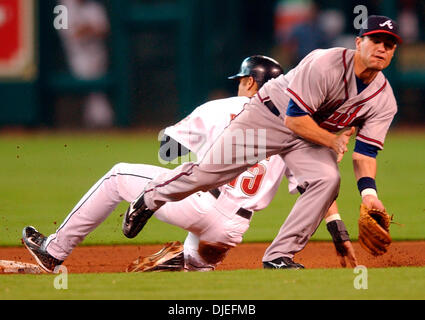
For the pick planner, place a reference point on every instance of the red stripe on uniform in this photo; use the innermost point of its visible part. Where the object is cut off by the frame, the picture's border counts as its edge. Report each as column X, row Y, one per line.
column 373, row 95
column 300, row 100
column 370, row 139
column 328, row 127
column 262, row 99
column 345, row 71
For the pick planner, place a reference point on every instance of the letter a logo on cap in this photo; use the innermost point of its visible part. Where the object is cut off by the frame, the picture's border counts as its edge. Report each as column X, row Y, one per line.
column 387, row 23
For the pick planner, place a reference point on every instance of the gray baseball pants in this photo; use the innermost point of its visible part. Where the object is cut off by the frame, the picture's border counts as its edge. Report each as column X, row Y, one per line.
column 315, row 168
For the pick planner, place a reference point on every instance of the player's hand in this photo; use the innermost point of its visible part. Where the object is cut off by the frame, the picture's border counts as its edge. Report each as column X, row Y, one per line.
column 341, row 141
column 372, row 202
column 345, row 250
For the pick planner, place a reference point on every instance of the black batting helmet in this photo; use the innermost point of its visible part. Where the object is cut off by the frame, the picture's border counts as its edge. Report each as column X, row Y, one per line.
column 261, row 68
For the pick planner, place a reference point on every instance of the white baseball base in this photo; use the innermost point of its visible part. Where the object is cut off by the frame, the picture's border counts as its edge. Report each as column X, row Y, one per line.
column 8, row 266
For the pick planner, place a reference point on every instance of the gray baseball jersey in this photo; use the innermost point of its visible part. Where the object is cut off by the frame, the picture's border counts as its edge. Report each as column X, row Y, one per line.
column 324, row 85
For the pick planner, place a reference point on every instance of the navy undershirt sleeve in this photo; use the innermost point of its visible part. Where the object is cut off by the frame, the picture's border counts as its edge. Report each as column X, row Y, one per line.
column 366, row 149
column 294, row 110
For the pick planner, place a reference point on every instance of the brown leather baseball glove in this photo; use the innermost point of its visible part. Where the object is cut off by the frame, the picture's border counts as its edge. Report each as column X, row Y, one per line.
column 374, row 230
column 169, row 258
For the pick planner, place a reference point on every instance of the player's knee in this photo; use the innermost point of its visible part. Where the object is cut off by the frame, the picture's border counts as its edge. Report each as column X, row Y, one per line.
column 192, row 257
column 207, row 182
column 212, row 252
column 332, row 179
column 118, row 168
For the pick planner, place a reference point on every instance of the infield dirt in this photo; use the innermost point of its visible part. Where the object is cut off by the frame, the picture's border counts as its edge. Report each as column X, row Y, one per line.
column 115, row 258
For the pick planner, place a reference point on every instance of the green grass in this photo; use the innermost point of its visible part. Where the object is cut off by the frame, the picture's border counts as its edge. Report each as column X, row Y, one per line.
column 44, row 175
column 319, row 284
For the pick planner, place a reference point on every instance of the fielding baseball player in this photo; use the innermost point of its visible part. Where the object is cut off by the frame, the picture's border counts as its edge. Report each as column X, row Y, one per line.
column 303, row 111
column 216, row 220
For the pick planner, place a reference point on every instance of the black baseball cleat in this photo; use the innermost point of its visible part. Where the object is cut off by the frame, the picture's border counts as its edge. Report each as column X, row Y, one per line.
column 282, row 263
column 136, row 217
column 35, row 242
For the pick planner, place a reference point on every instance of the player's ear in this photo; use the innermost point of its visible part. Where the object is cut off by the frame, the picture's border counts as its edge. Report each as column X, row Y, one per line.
column 358, row 41
column 251, row 82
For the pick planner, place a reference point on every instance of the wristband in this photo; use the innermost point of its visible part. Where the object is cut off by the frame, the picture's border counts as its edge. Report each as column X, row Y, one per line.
column 369, row 191
column 366, row 183
column 338, row 231
column 333, row 217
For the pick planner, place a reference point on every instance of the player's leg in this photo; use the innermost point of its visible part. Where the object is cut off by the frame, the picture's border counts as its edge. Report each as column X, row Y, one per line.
column 223, row 235
column 123, row 182
column 192, row 260
column 224, row 229
column 316, row 170
column 191, row 213
column 244, row 142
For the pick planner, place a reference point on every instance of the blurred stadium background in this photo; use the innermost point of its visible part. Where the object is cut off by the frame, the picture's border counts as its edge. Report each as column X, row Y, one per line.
column 164, row 57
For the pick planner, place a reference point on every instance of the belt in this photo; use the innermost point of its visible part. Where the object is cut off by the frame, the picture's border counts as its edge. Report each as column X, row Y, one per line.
column 241, row 212
column 270, row 105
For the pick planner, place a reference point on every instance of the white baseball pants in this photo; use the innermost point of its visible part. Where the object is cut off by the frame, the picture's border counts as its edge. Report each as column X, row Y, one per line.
column 197, row 214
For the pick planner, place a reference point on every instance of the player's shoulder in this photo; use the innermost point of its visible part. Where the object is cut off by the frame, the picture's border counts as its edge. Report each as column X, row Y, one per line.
column 235, row 99
column 230, row 103
column 388, row 96
column 327, row 57
column 327, row 62
column 329, row 52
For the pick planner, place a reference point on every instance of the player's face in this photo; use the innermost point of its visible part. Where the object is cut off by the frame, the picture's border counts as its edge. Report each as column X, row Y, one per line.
column 376, row 51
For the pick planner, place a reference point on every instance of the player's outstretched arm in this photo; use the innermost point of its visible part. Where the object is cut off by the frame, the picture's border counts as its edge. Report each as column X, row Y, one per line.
column 340, row 237
column 374, row 221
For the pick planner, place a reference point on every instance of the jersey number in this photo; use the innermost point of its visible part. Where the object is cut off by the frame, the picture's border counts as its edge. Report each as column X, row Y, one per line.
column 250, row 185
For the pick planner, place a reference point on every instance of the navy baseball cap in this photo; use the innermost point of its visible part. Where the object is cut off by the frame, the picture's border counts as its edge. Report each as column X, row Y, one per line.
column 381, row 24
